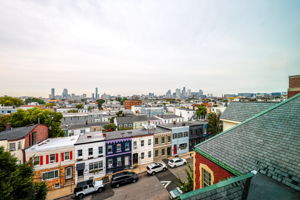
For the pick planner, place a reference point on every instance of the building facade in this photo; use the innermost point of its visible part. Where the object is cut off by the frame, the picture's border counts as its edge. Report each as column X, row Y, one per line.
column 162, row 145
column 142, row 147
column 294, row 85
column 132, row 102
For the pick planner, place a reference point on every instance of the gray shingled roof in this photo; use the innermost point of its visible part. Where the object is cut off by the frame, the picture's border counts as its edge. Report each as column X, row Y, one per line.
column 269, row 142
column 240, row 111
column 16, row 133
column 131, row 119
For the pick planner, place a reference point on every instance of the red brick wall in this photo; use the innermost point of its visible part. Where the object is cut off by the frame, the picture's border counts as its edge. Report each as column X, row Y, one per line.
column 129, row 103
column 294, row 81
column 292, row 93
column 218, row 172
column 41, row 135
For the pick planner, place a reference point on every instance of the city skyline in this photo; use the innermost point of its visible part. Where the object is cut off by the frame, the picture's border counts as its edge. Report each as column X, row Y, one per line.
column 147, row 47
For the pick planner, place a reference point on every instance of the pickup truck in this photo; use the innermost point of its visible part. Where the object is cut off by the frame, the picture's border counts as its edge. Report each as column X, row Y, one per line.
column 86, row 187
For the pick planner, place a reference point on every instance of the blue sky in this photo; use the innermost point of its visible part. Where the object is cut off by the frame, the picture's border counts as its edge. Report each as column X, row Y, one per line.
column 133, row 47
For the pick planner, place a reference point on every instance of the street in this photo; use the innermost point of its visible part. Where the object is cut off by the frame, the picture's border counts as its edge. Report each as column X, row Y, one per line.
column 148, row 187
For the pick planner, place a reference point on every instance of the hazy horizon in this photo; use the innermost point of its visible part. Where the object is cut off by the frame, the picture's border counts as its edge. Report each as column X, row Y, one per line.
column 137, row 47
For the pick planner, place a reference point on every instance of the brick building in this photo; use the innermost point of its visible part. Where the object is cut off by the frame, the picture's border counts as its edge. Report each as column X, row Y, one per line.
column 16, row 140
column 294, row 85
column 129, row 103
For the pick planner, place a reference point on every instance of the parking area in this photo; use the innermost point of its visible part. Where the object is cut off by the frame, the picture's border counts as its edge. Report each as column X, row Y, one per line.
column 155, row 187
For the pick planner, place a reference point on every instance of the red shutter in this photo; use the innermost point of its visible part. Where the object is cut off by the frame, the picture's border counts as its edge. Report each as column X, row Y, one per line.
column 41, row 160
column 71, row 155
column 47, row 159
column 62, row 157
column 56, row 157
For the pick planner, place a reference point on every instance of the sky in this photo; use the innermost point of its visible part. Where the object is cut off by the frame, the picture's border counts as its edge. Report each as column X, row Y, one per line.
column 135, row 47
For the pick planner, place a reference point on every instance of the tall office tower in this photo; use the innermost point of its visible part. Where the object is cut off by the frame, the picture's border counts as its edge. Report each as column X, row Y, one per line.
column 53, row 93
column 65, row 93
column 183, row 92
column 200, row 92
column 178, row 95
column 169, row 94
column 93, row 96
column 189, row 93
column 96, row 93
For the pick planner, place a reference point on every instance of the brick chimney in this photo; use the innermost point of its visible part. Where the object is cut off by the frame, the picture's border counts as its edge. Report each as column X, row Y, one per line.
column 294, row 85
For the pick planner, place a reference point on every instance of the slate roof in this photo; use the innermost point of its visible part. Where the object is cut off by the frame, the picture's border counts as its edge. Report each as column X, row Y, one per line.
column 240, row 111
column 75, row 126
column 269, row 142
column 16, row 133
column 131, row 119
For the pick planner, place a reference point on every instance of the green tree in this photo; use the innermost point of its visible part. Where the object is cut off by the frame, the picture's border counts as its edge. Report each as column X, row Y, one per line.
column 34, row 115
column 120, row 113
column 100, row 102
column 11, row 101
column 4, row 120
column 50, row 105
column 214, row 123
column 33, row 99
column 201, row 112
column 16, row 181
column 109, row 127
column 79, row 106
column 73, row 111
column 188, row 185
column 111, row 120
column 121, row 100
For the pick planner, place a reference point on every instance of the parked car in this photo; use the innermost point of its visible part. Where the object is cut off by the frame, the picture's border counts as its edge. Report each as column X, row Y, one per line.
column 123, row 178
column 154, row 168
column 175, row 162
column 174, row 194
column 86, row 187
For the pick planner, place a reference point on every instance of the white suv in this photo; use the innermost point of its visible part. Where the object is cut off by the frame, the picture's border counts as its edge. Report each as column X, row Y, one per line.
column 175, row 162
column 86, row 187
column 154, row 168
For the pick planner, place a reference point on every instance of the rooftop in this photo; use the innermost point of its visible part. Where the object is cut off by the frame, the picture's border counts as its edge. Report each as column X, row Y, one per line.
column 131, row 119
column 75, row 126
column 54, row 143
column 267, row 142
column 169, row 116
column 90, row 138
column 16, row 133
column 174, row 125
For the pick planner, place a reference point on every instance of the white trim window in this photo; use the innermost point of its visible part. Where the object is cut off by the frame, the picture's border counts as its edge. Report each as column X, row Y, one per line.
column 12, row 146
column 96, row 166
column 100, row 150
column 36, row 160
column 67, row 155
column 52, row 158
column 50, row 175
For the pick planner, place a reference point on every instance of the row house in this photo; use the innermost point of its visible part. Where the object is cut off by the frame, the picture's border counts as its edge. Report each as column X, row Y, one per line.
column 53, row 161
column 90, row 157
column 80, row 129
column 17, row 140
column 166, row 119
column 180, row 137
column 197, row 133
column 162, row 146
column 130, row 122
column 118, row 145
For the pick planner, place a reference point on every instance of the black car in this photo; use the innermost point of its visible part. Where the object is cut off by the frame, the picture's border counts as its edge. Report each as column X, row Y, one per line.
column 123, row 178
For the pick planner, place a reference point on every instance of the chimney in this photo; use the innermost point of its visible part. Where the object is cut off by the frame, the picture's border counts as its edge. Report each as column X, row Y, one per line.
column 294, row 85
column 8, row 126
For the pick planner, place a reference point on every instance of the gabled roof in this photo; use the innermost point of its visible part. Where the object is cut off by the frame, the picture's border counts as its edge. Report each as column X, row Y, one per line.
column 269, row 142
column 240, row 111
column 16, row 133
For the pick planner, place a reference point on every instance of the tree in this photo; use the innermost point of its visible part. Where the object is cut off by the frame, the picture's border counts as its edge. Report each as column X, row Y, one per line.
column 50, row 105
column 16, row 181
column 73, row 111
column 33, row 99
column 109, row 127
column 121, row 100
column 100, row 102
column 188, row 185
column 4, row 120
column 214, row 123
column 201, row 112
column 111, row 120
column 11, row 101
column 34, row 115
column 120, row 113
column 79, row 106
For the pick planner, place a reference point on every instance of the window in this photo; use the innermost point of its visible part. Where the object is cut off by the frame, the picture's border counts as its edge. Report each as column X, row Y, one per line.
column 149, row 141
column 180, row 135
column 96, row 166
column 33, row 139
column 90, row 151
column 149, row 154
column 169, row 138
column 56, row 185
column 156, row 140
column 68, row 172
column 142, row 155
column 174, row 135
column 126, row 160
column 183, row 146
column 50, row 175
column 110, row 163
column 52, row 158
column 109, row 149
column 163, row 152
column 119, row 161
column 162, row 140
column 206, row 178
column 119, row 147
column 12, row 146
column 156, row 153
column 100, row 150
column 82, row 131
column 127, row 146
column 19, row 145
column 36, row 160
column 67, row 155
column 142, row 143
column 79, row 152
column 135, row 145
column 185, row 134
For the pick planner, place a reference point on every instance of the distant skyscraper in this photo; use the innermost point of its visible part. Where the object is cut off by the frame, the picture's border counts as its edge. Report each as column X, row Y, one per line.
column 96, row 93
column 178, row 95
column 93, row 96
column 53, row 93
column 65, row 93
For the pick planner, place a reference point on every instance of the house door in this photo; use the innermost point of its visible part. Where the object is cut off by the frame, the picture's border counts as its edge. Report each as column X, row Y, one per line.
column 68, row 171
column 135, row 158
column 169, row 151
column 175, row 149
